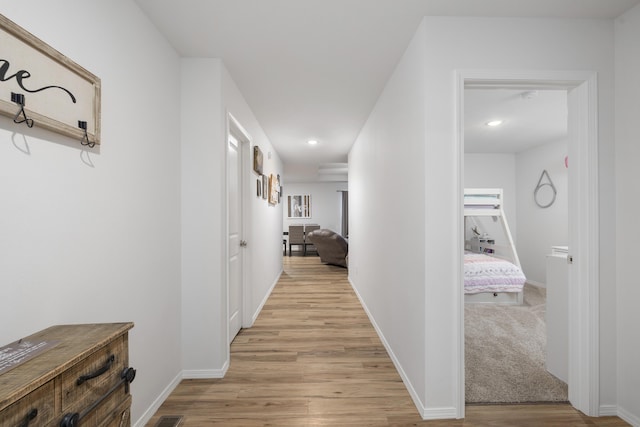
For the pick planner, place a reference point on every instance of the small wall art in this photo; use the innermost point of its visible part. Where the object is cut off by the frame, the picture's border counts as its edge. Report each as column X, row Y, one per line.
column 299, row 206
column 273, row 189
column 258, row 187
column 257, row 160
column 265, row 186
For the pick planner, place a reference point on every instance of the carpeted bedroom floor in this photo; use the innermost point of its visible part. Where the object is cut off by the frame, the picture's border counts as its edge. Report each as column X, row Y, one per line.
column 505, row 349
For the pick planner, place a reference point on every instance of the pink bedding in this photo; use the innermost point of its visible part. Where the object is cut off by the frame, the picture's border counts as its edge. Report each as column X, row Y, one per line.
column 483, row 273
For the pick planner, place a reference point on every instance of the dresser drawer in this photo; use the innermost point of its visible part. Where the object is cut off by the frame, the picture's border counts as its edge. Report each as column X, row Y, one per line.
column 38, row 406
column 79, row 390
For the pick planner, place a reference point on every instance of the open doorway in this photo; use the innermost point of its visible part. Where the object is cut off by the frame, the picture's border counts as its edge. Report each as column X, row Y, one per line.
column 513, row 139
column 583, row 319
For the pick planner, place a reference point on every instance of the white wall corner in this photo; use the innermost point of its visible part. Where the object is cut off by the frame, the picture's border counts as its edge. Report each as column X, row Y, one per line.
column 405, row 379
column 627, row 416
column 255, row 315
column 155, row 405
column 193, row 374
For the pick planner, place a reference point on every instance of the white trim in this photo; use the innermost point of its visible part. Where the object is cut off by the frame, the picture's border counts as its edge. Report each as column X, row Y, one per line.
column 206, row 374
column 157, row 403
column 608, row 411
column 235, row 129
column 584, row 230
column 405, row 379
column 458, row 247
column 628, row 416
column 266, row 297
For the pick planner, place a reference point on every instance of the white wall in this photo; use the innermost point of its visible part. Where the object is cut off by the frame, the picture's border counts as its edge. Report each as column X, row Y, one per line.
column 263, row 255
column 442, row 46
column 518, row 44
column 539, row 228
column 627, row 92
column 326, row 204
column 203, row 213
column 387, row 220
column 93, row 235
column 208, row 95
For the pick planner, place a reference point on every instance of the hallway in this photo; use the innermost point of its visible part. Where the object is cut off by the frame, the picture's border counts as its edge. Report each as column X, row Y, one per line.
column 312, row 358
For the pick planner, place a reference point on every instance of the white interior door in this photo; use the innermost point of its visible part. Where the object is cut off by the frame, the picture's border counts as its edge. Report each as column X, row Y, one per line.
column 235, row 236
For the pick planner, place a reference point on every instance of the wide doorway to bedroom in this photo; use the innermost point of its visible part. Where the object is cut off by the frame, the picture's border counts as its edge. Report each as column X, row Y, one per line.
column 516, row 170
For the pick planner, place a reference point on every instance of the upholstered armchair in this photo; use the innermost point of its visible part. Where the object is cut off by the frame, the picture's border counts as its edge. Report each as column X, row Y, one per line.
column 332, row 247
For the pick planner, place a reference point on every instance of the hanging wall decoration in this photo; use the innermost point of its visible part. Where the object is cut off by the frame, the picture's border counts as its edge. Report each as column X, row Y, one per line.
column 42, row 87
column 299, row 206
column 257, row 160
column 273, row 189
column 548, row 196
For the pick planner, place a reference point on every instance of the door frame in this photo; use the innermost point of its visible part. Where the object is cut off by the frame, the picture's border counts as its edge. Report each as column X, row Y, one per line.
column 234, row 128
column 584, row 367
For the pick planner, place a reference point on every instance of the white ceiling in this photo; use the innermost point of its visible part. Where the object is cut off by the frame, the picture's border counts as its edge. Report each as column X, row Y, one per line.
column 313, row 69
column 529, row 119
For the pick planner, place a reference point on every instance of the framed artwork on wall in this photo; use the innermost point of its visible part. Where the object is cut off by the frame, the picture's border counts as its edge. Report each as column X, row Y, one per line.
column 265, row 186
column 299, row 206
column 257, row 160
column 258, row 187
column 273, row 189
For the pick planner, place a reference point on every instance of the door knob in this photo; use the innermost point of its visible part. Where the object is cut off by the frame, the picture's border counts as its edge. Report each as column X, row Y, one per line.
column 243, row 243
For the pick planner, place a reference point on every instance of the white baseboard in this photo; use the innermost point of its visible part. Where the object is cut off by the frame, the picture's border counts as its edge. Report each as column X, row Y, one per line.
column 608, row 410
column 438, row 413
column 266, row 297
column 632, row 419
column 425, row 413
column 194, row 374
column 144, row 419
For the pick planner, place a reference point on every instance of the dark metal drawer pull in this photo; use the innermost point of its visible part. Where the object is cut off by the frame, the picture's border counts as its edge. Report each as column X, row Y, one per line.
column 97, row 373
column 29, row 417
column 72, row 419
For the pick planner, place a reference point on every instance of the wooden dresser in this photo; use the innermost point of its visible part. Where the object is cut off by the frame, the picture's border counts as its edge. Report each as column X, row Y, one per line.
column 81, row 379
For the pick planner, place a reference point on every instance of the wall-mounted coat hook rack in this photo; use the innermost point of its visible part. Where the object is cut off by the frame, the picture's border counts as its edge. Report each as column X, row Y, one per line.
column 18, row 98
column 85, row 138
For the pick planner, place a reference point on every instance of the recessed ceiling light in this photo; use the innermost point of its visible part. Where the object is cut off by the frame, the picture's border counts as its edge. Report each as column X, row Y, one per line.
column 494, row 123
column 312, row 142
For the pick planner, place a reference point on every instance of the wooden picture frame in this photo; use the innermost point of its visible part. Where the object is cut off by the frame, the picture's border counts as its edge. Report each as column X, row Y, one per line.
column 257, row 160
column 42, row 87
column 258, row 187
column 273, row 189
column 265, row 186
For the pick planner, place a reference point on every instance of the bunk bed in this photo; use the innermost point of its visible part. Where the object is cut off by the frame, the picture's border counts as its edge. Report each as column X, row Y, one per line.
column 492, row 273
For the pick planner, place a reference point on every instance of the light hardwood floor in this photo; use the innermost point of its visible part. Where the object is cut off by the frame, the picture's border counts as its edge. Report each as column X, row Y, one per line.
column 313, row 358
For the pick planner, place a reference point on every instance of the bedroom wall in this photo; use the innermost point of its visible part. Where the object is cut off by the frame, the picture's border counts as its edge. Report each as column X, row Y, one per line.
column 326, row 204
column 627, row 91
column 93, row 235
column 387, row 223
column 539, row 228
column 516, row 44
column 493, row 170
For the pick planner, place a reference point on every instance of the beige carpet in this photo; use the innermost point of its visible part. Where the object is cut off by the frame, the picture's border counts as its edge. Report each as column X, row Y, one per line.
column 505, row 350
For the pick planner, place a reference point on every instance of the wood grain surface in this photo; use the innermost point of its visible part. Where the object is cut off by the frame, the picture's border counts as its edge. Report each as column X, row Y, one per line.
column 313, row 358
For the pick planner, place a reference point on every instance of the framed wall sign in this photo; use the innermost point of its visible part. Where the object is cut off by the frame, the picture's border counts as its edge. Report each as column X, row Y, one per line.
column 41, row 87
